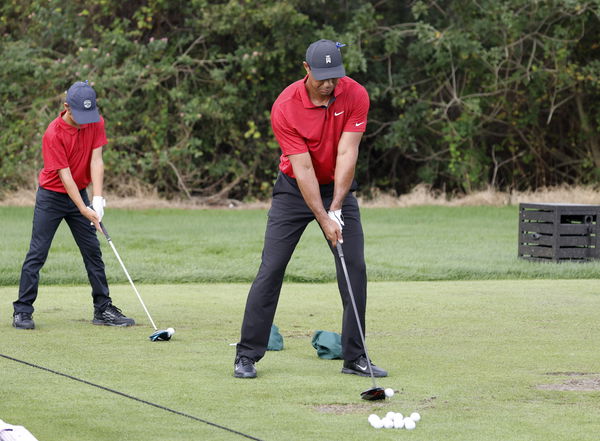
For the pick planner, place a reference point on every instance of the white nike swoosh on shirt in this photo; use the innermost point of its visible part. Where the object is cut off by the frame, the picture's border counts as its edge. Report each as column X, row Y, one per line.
column 338, row 113
column 359, row 124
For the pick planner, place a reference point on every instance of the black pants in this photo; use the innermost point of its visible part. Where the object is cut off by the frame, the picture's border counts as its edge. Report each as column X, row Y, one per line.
column 50, row 209
column 288, row 217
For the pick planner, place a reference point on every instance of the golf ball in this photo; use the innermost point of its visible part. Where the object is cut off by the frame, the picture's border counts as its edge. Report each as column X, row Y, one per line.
column 375, row 421
column 409, row 424
column 389, row 392
column 415, row 416
column 373, row 417
column 170, row 331
column 387, row 423
column 390, row 415
column 398, row 422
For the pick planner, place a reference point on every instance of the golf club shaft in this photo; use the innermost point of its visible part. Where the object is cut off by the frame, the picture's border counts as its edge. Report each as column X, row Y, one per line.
column 127, row 274
column 360, row 330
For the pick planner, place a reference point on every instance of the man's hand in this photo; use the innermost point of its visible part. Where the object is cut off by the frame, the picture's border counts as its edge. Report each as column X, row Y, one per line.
column 332, row 230
column 92, row 216
column 336, row 216
column 98, row 204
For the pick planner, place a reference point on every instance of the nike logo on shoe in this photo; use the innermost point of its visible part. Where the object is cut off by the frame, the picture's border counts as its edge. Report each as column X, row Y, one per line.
column 361, row 368
column 359, row 124
column 338, row 113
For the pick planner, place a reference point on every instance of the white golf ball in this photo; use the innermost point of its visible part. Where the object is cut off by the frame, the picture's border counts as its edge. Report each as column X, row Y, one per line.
column 390, row 415
column 373, row 417
column 398, row 422
column 409, row 424
column 387, row 423
column 415, row 416
column 376, row 422
column 398, row 416
column 389, row 392
column 170, row 331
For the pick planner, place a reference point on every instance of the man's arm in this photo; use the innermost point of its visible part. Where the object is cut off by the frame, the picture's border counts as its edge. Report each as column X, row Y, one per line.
column 344, row 168
column 309, row 187
column 73, row 192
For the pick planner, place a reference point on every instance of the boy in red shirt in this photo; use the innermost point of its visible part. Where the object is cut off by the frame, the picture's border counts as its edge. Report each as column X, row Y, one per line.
column 72, row 151
column 318, row 122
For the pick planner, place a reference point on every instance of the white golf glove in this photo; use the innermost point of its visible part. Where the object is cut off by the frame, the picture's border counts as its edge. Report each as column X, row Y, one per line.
column 98, row 204
column 336, row 216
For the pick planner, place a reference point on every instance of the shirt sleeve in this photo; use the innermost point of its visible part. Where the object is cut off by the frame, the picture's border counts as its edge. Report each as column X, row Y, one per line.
column 54, row 153
column 289, row 139
column 100, row 139
column 357, row 120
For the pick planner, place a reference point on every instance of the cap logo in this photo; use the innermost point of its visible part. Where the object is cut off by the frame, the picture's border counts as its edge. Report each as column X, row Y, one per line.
column 327, row 59
column 87, row 104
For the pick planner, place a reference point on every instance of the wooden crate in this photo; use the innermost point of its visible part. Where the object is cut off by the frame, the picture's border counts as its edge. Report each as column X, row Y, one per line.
column 559, row 232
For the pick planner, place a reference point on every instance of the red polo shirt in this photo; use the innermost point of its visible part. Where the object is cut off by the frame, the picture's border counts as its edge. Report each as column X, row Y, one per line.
column 66, row 146
column 300, row 126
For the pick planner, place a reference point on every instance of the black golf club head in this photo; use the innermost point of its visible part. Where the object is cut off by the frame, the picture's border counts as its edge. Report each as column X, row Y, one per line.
column 161, row 335
column 373, row 394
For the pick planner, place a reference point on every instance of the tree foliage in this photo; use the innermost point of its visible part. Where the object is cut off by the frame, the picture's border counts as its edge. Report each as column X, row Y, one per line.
column 464, row 94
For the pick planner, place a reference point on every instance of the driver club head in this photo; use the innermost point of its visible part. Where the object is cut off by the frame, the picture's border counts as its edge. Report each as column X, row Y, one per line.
column 162, row 335
column 373, row 394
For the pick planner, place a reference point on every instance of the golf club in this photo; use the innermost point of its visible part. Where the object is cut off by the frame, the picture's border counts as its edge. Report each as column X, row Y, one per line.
column 375, row 393
column 158, row 335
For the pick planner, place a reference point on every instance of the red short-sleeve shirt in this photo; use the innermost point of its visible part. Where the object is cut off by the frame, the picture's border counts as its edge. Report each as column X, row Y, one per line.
column 66, row 146
column 300, row 126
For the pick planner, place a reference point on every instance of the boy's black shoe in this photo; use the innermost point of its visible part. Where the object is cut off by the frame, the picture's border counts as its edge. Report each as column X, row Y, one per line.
column 112, row 316
column 244, row 368
column 360, row 367
column 23, row 320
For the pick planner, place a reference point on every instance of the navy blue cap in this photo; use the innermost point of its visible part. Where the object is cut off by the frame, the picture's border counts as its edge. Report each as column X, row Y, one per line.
column 325, row 60
column 81, row 99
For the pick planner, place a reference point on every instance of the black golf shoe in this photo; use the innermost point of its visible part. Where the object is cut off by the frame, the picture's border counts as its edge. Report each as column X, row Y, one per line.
column 244, row 368
column 111, row 316
column 23, row 320
column 360, row 367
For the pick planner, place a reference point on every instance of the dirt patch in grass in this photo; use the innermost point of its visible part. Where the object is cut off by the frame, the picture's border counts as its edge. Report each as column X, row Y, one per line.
column 342, row 409
column 579, row 382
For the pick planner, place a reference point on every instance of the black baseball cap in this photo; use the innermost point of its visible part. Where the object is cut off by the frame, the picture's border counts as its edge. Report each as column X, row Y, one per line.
column 81, row 98
column 325, row 60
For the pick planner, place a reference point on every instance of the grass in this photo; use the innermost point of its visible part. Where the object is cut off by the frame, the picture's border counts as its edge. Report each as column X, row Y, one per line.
column 198, row 246
column 469, row 356
column 475, row 339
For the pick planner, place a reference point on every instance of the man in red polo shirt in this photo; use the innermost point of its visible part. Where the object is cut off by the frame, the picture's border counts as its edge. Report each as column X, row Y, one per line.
column 72, row 151
column 318, row 122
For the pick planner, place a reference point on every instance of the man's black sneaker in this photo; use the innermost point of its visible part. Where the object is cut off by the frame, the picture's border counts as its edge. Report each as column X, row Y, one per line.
column 360, row 367
column 111, row 316
column 23, row 320
column 244, row 368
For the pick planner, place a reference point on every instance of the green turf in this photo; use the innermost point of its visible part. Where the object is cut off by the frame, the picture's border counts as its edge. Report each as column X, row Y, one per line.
column 196, row 246
column 470, row 356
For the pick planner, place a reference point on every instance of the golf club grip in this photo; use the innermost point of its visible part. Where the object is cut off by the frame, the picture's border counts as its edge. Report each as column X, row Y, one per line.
column 104, row 231
column 338, row 245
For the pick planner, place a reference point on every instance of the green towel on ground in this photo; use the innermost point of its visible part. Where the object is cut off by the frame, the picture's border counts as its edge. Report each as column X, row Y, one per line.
column 275, row 340
column 328, row 344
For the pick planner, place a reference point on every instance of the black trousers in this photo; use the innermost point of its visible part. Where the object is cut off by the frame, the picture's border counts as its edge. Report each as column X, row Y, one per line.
column 287, row 219
column 50, row 209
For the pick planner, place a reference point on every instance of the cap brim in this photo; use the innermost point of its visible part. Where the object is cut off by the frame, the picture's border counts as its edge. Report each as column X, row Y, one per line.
column 86, row 117
column 326, row 73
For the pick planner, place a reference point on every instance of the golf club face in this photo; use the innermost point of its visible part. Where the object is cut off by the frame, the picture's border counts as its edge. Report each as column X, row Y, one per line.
column 373, row 394
column 160, row 335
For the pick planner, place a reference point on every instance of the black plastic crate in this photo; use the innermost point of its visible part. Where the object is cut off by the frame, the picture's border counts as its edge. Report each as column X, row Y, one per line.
column 559, row 232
